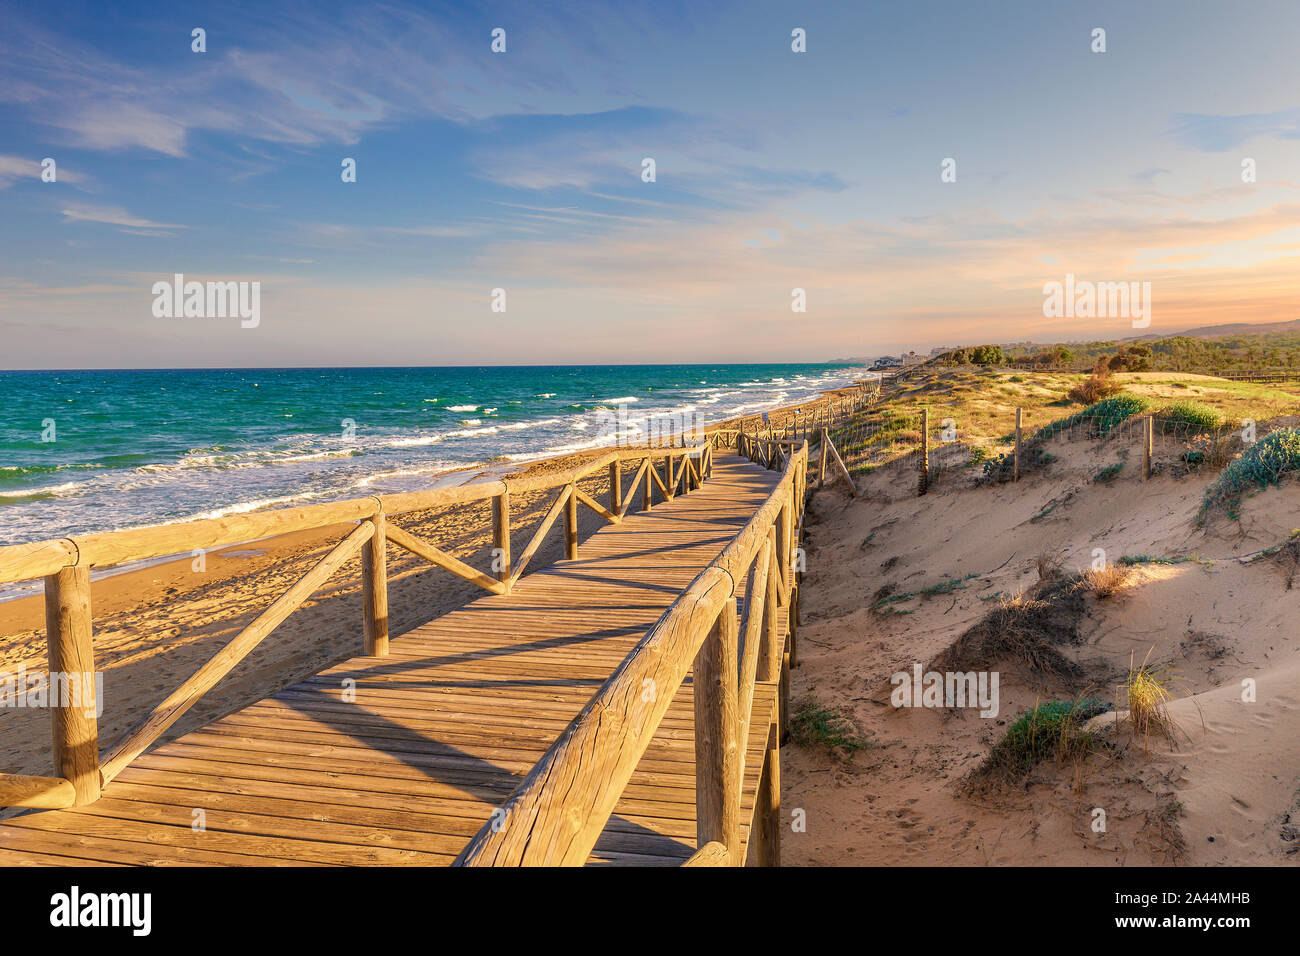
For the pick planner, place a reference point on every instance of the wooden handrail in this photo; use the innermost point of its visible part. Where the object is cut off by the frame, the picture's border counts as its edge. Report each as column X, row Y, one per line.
column 23, row 562
column 45, row 793
column 711, row 854
column 558, row 812
column 156, row 722
column 65, row 564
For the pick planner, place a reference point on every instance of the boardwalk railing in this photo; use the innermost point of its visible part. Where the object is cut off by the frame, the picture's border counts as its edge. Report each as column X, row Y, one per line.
column 65, row 563
column 564, row 803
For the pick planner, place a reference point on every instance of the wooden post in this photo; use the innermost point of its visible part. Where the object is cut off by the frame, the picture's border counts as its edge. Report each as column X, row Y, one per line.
column 571, row 523
column 1015, row 465
column 1148, row 442
column 821, row 464
column 616, row 486
column 766, row 838
column 669, row 482
column 923, row 478
column 501, row 535
column 73, row 720
column 717, row 752
column 792, row 639
column 784, row 526
column 374, row 588
column 647, row 495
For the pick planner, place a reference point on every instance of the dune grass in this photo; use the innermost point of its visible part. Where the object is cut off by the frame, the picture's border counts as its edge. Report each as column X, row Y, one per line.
column 1051, row 729
column 1148, row 697
column 982, row 403
column 818, row 727
column 1194, row 416
column 1269, row 461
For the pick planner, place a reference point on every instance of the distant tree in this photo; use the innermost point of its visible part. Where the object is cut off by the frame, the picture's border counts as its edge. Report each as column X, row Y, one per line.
column 987, row 355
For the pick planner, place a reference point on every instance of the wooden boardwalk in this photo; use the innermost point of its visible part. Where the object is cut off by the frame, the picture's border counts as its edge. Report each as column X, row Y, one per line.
column 399, row 760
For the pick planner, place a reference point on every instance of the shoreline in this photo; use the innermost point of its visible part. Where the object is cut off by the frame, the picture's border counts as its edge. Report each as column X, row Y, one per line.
column 474, row 472
column 155, row 625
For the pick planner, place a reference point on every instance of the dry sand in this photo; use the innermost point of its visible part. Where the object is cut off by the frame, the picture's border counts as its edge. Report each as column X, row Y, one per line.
column 1226, row 793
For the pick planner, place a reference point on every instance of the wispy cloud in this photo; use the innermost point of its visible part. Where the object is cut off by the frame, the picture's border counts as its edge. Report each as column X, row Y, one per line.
column 1218, row 134
column 16, row 168
column 115, row 216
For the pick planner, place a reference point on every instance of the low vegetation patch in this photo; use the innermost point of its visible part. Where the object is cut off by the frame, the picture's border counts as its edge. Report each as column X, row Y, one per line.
column 1184, row 417
column 1101, row 417
column 1266, row 462
column 1286, row 557
column 1026, row 629
column 1107, row 582
column 1109, row 473
column 1051, row 729
column 817, row 727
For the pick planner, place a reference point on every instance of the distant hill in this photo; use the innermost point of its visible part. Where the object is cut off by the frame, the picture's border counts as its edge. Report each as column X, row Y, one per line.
column 1232, row 328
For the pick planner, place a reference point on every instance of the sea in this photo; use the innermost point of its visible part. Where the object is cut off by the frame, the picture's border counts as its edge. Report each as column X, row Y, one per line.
column 89, row 451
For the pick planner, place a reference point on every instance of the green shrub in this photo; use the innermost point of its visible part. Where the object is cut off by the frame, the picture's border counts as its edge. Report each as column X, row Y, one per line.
column 1190, row 415
column 1266, row 462
column 1050, row 729
column 1103, row 415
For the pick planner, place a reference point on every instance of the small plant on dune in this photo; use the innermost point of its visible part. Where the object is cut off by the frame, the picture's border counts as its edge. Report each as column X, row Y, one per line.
column 1107, row 582
column 1052, row 729
column 1148, row 698
column 1287, row 557
column 1267, row 462
column 816, row 726
column 1109, row 473
column 1190, row 417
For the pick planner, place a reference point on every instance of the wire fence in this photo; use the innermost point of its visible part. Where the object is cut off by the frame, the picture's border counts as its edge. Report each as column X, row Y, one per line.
column 932, row 446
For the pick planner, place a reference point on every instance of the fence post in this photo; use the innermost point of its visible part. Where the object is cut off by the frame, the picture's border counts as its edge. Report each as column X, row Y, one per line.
column 647, row 495
column 1015, row 465
column 923, row 477
column 501, row 535
column 571, row 523
column 616, row 486
column 669, row 482
column 821, row 458
column 1148, row 440
column 717, row 752
column 374, row 588
column 74, row 724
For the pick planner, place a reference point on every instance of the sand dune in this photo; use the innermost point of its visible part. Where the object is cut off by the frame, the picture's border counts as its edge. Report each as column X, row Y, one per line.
column 1218, row 613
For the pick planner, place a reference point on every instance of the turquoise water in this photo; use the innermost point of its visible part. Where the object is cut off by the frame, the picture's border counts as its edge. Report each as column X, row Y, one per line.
column 132, row 448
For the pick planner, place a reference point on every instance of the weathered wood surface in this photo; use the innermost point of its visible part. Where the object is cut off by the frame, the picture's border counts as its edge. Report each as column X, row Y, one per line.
column 401, row 759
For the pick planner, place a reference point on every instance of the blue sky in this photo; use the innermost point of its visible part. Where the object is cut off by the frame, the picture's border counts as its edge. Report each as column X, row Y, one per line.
column 775, row 170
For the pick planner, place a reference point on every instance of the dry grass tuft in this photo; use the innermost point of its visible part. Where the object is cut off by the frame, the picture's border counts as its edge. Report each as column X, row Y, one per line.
column 1025, row 629
column 1107, row 582
column 1148, row 699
